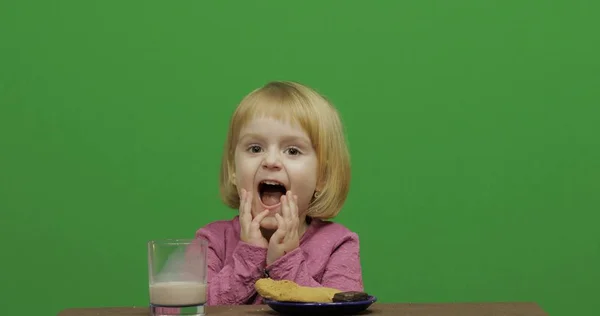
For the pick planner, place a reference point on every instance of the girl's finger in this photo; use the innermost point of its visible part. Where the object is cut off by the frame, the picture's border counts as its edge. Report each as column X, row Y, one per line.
column 280, row 232
column 294, row 206
column 242, row 209
column 256, row 221
column 281, row 224
column 248, row 202
column 242, row 200
column 285, row 207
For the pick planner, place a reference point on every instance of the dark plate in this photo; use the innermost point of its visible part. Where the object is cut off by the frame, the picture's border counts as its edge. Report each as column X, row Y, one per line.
column 338, row 308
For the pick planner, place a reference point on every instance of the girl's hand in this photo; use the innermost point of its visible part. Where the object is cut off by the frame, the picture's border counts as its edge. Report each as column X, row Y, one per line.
column 285, row 238
column 250, row 228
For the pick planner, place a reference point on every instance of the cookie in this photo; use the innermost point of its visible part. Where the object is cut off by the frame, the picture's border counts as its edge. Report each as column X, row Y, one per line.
column 289, row 291
column 351, row 296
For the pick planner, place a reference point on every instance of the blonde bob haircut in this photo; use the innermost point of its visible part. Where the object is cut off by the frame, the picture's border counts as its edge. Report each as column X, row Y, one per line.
column 296, row 104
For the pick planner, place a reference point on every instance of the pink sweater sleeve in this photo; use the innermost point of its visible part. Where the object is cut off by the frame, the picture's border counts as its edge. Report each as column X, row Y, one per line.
column 342, row 272
column 232, row 283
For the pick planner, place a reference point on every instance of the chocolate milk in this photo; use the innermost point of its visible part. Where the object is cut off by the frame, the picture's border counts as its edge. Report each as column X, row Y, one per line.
column 177, row 293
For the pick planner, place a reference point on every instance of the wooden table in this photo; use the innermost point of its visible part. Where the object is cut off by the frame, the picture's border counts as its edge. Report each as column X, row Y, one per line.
column 454, row 309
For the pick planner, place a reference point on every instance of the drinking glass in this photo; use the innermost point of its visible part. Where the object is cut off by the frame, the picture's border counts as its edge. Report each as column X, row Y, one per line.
column 177, row 276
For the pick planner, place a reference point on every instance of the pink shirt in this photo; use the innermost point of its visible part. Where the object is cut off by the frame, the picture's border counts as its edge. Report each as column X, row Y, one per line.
column 328, row 256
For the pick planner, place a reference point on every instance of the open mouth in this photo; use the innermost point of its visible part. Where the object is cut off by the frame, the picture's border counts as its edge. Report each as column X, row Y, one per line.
column 270, row 192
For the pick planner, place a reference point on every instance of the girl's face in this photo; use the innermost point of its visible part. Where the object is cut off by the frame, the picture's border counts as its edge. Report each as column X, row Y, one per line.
column 272, row 157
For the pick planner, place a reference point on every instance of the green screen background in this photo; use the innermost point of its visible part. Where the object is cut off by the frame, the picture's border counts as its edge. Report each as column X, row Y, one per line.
column 473, row 127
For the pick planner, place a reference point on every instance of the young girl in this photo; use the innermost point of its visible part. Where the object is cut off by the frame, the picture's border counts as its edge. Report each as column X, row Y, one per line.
column 286, row 168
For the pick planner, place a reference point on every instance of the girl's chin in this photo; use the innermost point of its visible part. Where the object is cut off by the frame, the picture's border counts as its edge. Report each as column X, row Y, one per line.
column 269, row 223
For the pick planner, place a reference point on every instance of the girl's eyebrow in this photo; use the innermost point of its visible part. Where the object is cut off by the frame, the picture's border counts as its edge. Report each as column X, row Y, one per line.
column 251, row 136
column 300, row 139
column 287, row 138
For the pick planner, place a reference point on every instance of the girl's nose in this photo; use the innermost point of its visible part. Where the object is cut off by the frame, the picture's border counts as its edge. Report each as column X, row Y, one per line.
column 272, row 160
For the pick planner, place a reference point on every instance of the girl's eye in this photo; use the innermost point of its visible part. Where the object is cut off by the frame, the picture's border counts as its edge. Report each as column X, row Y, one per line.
column 254, row 149
column 293, row 151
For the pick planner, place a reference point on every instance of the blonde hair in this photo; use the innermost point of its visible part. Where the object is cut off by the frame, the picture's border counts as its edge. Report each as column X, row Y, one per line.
column 295, row 103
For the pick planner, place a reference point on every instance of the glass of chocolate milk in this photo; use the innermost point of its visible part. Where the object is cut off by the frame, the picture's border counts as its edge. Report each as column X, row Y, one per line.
column 177, row 276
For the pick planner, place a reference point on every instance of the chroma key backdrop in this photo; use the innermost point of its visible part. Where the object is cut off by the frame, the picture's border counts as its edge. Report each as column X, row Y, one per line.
column 474, row 129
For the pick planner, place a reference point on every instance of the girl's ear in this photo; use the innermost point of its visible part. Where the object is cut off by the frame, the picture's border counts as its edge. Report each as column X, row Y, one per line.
column 231, row 171
column 320, row 184
column 319, row 188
